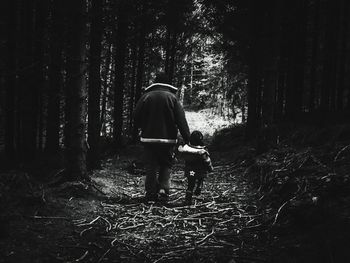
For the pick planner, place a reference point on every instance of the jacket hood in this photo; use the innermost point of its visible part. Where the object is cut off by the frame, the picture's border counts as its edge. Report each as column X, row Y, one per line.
column 161, row 84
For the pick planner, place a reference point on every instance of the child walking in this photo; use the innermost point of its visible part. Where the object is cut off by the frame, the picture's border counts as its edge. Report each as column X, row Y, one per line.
column 197, row 165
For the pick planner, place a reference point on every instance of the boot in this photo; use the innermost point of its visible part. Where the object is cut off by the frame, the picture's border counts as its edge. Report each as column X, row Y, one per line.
column 151, row 198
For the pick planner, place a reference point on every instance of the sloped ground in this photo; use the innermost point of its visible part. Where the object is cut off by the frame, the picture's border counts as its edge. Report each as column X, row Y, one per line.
column 303, row 182
column 219, row 227
column 106, row 220
column 290, row 204
column 77, row 223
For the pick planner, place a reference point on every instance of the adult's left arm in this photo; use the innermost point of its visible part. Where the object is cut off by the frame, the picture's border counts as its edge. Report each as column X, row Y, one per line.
column 181, row 122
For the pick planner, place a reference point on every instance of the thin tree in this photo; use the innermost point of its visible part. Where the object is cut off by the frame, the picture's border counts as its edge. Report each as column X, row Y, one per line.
column 41, row 8
column 330, row 56
column 76, row 91
column 55, row 77
column 121, row 48
column 10, row 79
column 94, row 86
column 343, row 58
column 28, row 91
column 253, row 71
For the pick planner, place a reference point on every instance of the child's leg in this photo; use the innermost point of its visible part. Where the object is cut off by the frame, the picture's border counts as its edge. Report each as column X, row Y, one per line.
column 191, row 182
column 199, row 185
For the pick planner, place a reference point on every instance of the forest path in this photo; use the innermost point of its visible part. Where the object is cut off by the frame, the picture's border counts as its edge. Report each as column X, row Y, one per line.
column 224, row 224
column 206, row 122
column 109, row 222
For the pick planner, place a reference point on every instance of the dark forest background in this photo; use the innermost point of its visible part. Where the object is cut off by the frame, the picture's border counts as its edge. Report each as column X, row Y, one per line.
column 72, row 71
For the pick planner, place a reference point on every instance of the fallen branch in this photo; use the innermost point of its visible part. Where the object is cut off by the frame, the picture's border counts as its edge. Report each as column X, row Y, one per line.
column 205, row 238
column 340, row 152
column 90, row 223
column 103, row 256
column 82, row 257
column 87, row 229
column 279, row 211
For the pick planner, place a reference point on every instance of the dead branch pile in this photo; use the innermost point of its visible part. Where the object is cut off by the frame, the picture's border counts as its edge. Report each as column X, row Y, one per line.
column 303, row 186
column 223, row 224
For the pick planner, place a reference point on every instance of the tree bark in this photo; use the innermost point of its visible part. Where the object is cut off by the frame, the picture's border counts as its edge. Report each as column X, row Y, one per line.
column 106, row 81
column 94, row 85
column 314, row 54
column 122, row 27
column 172, row 63
column 330, row 56
column 132, row 87
column 76, row 91
column 296, row 60
column 39, row 64
column 140, row 70
column 55, row 78
column 300, row 54
column 253, row 72
column 28, row 92
column 167, row 51
column 343, row 57
column 10, row 79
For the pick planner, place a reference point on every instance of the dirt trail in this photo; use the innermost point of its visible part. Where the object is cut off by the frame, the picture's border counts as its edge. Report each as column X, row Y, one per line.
column 206, row 122
column 80, row 224
column 221, row 225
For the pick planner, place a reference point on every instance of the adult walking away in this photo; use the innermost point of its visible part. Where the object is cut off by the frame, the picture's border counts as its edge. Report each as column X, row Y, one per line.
column 160, row 116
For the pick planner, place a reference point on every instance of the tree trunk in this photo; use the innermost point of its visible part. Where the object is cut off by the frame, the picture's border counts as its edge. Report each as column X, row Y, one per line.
column 10, row 79
column 172, row 61
column 94, row 85
column 132, row 87
column 76, row 91
column 343, row 57
column 280, row 94
column 140, row 70
column 106, row 81
column 167, row 51
column 270, row 43
column 39, row 64
column 330, row 56
column 300, row 54
column 122, row 27
column 55, row 78
column 28, row 90
column 314, row 55
column 253, row 72
column 296, row 59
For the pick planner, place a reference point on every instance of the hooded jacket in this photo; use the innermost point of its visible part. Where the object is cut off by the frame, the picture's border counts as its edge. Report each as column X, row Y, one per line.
column 160, row 115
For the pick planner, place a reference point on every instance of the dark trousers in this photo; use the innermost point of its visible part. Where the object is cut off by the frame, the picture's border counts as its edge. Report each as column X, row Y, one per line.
column 158, row 163
column 194, row 182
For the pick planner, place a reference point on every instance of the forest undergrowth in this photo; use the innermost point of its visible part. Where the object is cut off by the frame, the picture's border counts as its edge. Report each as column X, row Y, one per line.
column 303, row 186
column 287, row 204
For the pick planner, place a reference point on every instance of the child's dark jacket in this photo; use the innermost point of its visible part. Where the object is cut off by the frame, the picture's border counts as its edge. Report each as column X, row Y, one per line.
column 199, row 163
